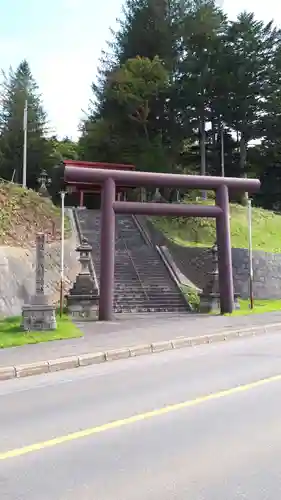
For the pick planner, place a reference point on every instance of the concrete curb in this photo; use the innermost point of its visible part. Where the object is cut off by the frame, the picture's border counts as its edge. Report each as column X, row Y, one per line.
column 26, row 370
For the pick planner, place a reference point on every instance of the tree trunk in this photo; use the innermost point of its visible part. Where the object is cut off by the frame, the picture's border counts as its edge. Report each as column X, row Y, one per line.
column 146, row 131
column 202, row 149
column 243, row 154
column 214, row 142
column 215, row 158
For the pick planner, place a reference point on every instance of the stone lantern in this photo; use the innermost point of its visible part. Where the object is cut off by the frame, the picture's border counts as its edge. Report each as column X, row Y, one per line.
column 44, row 181
column 157, row 197
column 210, row 296
column 83, row 297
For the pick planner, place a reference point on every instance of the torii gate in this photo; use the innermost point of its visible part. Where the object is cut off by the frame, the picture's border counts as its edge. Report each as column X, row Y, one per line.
column 108, row 180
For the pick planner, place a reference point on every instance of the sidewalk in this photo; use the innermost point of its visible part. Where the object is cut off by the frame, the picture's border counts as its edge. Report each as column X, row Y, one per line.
column 129, row 331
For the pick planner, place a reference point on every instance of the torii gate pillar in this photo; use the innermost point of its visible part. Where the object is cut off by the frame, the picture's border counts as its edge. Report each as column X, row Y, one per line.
column 224, row 251
column 107, row 251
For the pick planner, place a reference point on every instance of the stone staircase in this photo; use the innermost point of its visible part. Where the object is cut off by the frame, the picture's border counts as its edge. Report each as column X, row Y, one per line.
column 142, row 281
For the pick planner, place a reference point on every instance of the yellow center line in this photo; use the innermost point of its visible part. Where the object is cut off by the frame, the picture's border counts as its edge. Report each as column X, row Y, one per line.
column 135, row 418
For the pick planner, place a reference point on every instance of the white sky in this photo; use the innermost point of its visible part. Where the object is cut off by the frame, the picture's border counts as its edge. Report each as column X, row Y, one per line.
column 63, row 39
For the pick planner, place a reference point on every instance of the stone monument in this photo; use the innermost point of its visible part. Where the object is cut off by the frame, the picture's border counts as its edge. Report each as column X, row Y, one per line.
column 39, row 314
column 210, row 296
column 83, row 297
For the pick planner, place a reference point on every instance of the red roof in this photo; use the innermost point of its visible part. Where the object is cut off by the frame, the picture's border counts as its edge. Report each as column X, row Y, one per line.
column 90, row 164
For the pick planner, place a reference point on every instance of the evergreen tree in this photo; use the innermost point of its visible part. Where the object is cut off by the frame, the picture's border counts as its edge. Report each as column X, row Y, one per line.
column 19, row 86
column 203, row 27
column 248, row 68
column 147, row 31
column 64, row 149
column 221, row 75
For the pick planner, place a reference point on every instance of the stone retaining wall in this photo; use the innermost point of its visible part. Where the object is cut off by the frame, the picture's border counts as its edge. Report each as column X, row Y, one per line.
column 196, row 262
column 17, row 273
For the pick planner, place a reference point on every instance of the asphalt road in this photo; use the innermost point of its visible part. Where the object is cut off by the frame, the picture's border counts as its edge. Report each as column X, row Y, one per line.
column 195, row 424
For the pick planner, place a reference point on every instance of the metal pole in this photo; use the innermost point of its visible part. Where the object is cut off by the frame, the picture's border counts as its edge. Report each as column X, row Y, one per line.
column 24, row 166
column 246, row 195
column 250, row 242
column 62, row 252
column 222, row 152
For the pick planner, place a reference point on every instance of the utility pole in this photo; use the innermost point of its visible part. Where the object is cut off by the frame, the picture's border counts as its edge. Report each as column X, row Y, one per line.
column 62, row 194
column 250, row 243
column 24, row 145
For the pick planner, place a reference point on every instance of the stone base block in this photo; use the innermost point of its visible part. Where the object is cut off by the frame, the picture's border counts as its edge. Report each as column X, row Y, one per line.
column 83, row 308
column 39, row 300
column 209, row 303
column 38, row 317
column 236, row 301
column 84, row 286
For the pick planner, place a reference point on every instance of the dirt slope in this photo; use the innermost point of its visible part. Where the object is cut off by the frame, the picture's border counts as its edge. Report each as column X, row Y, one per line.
column 23, row 213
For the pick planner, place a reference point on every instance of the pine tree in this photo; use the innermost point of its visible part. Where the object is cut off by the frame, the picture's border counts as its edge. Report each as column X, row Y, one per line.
column 203, row 26
column 221, row 73
column 19, row 86
column 147, row 30
column 64, row 149
column 248, row 69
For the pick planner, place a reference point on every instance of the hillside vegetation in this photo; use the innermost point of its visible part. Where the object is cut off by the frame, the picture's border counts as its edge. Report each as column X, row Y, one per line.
column 23, row 213
column 266, row 228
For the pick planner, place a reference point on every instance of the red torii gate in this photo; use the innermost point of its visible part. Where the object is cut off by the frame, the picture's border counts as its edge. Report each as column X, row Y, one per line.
column 108, row 180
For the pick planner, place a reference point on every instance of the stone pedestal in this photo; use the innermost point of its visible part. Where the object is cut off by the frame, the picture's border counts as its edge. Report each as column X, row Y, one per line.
column 43, row 191
column 39, row 315
column 83, row 298
column 84, row 307
column 210, row 296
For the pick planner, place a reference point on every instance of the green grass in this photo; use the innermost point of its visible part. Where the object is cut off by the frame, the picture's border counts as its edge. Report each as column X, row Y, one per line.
column 201, row 232
column 260, row 306
column 12, row 335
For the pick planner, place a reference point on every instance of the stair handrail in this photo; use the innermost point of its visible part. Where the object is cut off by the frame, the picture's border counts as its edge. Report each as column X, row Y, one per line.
column 167, row 264
column 173, row 275
column 142, row 230
column 136, row 271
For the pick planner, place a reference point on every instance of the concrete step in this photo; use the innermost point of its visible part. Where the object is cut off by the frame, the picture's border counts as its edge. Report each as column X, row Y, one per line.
column 148, row 301
column 123, row 308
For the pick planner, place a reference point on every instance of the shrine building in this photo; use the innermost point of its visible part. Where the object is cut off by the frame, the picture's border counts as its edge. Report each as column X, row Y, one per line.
column 89, row 195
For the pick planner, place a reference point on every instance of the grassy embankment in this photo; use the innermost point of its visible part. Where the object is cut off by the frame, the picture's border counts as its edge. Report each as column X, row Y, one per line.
column 23, row 213
column 201, row 232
